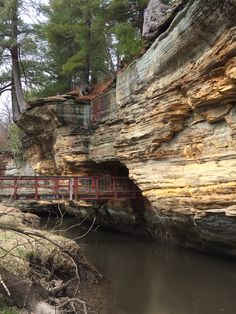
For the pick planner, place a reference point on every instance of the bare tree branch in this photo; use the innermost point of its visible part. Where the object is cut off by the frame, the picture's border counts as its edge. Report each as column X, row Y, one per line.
column 4, row 286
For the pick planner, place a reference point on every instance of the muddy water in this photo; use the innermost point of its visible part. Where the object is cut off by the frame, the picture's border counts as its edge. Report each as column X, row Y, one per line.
column 147, row 278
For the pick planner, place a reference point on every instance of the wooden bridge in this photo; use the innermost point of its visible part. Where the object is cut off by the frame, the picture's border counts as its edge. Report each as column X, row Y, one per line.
column 65, row 187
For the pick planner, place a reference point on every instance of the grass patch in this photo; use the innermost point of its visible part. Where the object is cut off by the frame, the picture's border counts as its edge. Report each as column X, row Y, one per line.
column 4, row 309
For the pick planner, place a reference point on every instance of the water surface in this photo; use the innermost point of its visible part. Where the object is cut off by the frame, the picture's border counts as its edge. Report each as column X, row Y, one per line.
column 149, row 278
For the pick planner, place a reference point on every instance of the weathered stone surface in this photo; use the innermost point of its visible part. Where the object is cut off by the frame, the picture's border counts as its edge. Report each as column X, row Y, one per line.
column 56, row 134
column 159, row 15
column 9, row 166
column 173, row 125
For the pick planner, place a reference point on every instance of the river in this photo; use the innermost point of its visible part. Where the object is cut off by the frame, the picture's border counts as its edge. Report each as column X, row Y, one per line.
column 149, row 278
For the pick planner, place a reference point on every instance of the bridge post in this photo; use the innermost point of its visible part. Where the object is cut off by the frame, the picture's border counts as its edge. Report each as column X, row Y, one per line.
column 56, row 187
column 116, row 186
column 15, row 189
column 76, row 189
column 71, row 188
column 93, row 185
column 36, row 188
column 97, row 188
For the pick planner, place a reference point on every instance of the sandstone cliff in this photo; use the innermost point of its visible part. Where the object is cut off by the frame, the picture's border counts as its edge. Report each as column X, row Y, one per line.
column 171, row 121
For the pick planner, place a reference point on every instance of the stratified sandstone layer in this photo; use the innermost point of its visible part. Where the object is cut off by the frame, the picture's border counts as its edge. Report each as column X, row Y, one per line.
column 171, row 121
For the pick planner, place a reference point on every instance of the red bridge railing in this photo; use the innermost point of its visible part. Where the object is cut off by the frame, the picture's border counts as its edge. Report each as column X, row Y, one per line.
column 72, row 188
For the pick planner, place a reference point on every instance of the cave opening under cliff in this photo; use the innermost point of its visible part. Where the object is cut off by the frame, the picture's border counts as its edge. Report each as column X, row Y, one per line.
column 114, row 168
column 139, row 204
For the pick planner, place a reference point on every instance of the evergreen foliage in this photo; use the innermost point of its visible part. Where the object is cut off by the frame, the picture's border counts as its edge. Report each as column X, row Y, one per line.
column 91, row 37
column 80, row 41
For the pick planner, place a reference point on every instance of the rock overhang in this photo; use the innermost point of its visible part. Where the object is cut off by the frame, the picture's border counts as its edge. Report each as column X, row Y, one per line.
column 171, row 121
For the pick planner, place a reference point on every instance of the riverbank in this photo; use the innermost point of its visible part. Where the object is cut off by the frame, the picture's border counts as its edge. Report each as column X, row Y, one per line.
column 41, row 271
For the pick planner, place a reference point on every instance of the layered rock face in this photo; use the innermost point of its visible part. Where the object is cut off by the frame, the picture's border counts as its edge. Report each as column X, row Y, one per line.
column 9, row 167
column 56, row 135
column 171, row 121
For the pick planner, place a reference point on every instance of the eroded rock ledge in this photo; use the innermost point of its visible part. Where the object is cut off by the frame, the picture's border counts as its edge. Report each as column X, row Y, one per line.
column 171, row 120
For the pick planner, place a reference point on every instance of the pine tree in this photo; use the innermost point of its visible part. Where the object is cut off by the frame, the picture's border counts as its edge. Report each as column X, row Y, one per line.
column 126, row 20
column 78, row 40
column 82, row 42
column 89, row 37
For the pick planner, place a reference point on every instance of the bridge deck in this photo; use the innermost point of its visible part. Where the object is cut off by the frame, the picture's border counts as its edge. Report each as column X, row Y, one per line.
column 72, row 188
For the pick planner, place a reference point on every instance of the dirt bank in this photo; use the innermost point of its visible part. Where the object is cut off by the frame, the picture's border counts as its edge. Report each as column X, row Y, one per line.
column 39, row 270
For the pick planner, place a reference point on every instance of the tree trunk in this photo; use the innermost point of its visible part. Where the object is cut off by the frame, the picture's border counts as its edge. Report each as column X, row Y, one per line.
column 18, row 103
column 87, row 69
column 87, row 64
column 17, row 78
column 15, row 107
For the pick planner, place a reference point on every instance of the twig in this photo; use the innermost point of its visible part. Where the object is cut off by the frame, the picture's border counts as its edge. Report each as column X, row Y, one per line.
column 75, row 300
column 90, row 228
column 73, row 226
column 4, row 286
column 73, row 307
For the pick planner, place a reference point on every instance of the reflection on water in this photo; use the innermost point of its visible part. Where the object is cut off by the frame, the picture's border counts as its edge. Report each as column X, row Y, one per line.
column 148, row 278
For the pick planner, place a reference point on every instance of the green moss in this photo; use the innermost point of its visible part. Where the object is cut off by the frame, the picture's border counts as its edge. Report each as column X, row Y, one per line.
column 4, row 309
